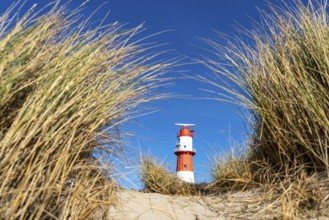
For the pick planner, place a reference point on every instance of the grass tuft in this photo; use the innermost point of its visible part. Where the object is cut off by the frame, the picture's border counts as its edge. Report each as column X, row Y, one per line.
column 64, row 89
column 279, row 72
column 282, row 77
column 231, row 172
column 157, row 179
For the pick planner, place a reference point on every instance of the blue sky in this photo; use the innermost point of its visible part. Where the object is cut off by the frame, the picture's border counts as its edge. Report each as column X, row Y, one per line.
column 217, row 124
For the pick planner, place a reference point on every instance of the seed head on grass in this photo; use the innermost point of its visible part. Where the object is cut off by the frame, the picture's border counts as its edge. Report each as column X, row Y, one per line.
column 63, row 88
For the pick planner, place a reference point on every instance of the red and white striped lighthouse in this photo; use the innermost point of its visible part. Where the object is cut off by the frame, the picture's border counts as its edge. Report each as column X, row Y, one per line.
column 185, row 152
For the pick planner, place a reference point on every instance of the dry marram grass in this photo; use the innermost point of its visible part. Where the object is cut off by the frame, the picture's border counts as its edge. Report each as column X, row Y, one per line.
column 280, row 72
column 157, row 179
column 63, row 88
column 283, row 80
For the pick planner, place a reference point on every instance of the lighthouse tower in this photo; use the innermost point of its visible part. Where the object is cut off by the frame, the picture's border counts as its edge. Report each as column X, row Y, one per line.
column 185, row 152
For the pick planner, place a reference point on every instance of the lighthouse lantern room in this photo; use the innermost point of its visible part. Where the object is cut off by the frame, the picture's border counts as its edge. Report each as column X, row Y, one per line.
column 185, row 152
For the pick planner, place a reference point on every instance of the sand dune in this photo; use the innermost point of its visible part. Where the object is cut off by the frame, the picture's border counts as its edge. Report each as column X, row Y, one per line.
column 138, row 205
column 239, row 205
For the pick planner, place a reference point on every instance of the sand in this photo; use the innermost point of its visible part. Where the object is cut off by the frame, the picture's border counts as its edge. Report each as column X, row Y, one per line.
column 147, row 206
column 136, row 205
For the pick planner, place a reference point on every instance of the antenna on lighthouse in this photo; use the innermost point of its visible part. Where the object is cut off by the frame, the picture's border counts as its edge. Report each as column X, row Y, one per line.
column 184, row 125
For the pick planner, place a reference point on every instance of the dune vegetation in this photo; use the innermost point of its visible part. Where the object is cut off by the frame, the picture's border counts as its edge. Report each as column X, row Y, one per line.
column 156, row 178
column 279, row 72
column 65, row 87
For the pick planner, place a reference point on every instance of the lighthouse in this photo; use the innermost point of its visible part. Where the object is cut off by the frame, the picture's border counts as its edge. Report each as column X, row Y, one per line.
column 185, row 152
